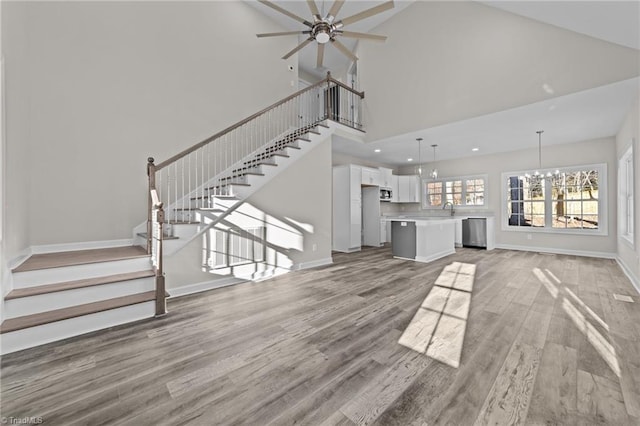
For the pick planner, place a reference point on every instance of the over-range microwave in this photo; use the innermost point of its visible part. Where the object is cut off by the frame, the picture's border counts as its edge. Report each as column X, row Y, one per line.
column 385, row 194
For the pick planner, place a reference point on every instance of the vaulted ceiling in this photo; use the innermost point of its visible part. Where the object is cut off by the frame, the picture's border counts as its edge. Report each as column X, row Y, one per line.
column 486, row 74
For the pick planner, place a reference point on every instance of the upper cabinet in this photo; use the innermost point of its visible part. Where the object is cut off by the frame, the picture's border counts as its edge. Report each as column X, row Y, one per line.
column 408, row 189
column 370, row 176
column 386, row 178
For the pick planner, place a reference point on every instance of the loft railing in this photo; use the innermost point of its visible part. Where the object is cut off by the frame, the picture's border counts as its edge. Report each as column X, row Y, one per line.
column 191, row 179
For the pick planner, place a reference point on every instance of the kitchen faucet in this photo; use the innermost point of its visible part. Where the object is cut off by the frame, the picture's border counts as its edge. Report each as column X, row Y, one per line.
column 449, row 203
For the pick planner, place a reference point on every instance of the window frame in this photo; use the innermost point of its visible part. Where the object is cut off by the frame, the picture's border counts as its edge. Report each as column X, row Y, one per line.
column 424, row 205
column 626, row 213
column 603, row 195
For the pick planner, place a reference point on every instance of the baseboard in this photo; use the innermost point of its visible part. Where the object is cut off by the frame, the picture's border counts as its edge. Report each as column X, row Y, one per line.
column 634, row 280
column 599, row 254
column 86, row 245
column 435, row 256
column 312, row 264
column 203, row 286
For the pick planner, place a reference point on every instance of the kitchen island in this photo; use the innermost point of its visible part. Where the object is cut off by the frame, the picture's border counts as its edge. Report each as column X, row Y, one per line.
column 423, row 239
column 427, row 238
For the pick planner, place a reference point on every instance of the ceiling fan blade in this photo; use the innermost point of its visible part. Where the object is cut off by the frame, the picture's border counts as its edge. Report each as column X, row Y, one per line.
column 367, row 13
column 298, row 47
column 353, row 34
column 281, row 34
column 335, row 8
column 286, row 12
column 314, row 8
column 341, row 47
column 320, row 55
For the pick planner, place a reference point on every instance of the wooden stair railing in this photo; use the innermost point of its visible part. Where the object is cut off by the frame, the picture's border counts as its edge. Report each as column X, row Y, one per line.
column 190, row 180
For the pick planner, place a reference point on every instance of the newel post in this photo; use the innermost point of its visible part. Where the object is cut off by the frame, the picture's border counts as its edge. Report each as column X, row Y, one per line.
column 151, row 174
column 161, row 300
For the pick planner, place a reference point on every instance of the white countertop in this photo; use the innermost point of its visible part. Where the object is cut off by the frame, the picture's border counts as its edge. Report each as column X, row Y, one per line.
column 418, row 218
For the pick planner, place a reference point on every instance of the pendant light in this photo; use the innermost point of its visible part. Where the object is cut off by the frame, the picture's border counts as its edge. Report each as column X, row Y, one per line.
column 434, row 171
column 537, row 175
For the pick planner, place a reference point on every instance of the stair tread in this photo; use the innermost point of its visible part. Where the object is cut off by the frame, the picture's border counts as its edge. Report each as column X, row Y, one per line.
column 204, row 209
column 241, row 175
column 71, row 285
column 79, row 257
column 166, row 237
column 183, row 222
column 34, row 320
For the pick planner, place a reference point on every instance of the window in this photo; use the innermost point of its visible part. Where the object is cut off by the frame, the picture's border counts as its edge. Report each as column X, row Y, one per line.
column 526, row 201
column 625, row 197
column 468, row 191
column 565, row 200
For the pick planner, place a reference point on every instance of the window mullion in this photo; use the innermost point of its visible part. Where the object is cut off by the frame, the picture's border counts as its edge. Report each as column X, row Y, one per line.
column 548, row 205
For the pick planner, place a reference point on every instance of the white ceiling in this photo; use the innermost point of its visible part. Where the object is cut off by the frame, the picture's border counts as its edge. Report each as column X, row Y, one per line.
column 613, row 21
column 580, row 116
column 586, row 115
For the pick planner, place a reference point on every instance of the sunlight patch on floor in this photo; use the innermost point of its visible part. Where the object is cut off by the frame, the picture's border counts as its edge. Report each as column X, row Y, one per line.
column 551, row 288
column 437, row 329
column 595, row 316
column 597, row 340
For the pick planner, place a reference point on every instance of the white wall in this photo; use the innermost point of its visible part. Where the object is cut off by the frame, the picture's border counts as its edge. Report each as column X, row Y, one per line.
column 629, row 256
column 339, row 159
column 104, row 85
column 448, row 61
column 16, row 151
column 579, row 153
column 295, row 208
column 301, row 196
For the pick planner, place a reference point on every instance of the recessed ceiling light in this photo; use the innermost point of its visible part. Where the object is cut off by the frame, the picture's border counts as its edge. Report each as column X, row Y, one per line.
column 475, row 149
column 409, row 159
column 376, row 150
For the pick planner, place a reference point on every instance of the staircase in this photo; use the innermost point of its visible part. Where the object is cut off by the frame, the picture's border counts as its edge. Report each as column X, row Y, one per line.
column 58, row 295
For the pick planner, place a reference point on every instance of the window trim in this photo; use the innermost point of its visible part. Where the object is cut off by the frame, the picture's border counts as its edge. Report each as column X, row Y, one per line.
column 623, row 196
column 603, row 217
column 425, row 196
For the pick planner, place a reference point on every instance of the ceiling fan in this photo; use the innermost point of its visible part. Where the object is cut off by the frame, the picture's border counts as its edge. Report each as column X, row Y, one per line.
column 327, row 29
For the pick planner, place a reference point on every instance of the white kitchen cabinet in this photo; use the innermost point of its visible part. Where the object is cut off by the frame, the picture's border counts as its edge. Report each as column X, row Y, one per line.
column 458, row 235
column 408, row 189
column 370, row 176
column 386, row 176
column 347, row 208
column 371, row 216
column 394, row 189
column 383, row 231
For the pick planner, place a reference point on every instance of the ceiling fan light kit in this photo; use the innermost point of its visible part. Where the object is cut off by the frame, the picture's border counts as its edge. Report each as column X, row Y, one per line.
column 326, row 29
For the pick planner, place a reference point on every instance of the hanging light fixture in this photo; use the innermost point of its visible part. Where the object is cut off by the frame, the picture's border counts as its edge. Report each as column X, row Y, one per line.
column 419, row 166
column 537, row 175
column 434, row 171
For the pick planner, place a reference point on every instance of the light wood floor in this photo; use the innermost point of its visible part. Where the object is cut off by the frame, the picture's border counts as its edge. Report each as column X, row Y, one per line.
column 546, row 342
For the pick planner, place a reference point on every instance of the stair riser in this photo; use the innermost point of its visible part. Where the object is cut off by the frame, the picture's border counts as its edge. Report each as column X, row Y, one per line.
column 35, row 336
column 185, row 231
column 77, row 272
column 64, row 299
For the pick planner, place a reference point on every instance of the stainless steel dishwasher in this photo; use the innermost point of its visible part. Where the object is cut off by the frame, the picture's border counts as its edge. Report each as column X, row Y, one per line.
column 474, row 232
column 403, row 239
